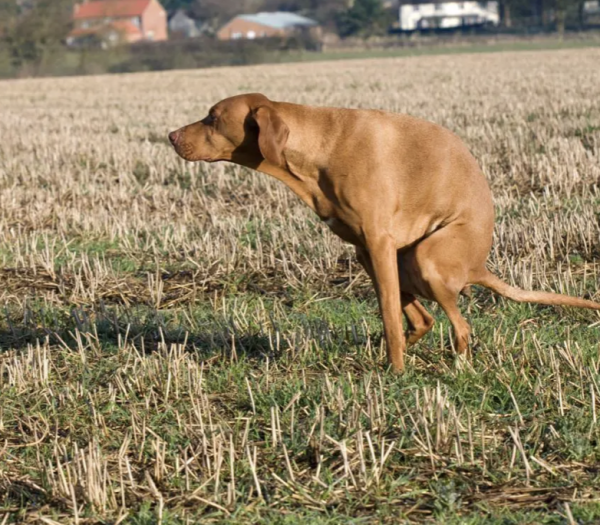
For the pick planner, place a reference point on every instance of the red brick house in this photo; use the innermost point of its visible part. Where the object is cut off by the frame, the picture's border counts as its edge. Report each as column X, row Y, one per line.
column 262, row 25
column 114, row 21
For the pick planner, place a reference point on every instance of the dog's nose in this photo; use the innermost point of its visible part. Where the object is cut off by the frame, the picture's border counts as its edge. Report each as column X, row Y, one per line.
column 174, row 137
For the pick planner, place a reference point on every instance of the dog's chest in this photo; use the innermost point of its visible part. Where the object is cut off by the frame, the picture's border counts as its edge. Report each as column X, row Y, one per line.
column 342, row 230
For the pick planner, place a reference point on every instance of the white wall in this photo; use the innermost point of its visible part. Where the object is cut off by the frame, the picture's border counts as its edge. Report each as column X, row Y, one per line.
column 451, row 13
column 591, row 7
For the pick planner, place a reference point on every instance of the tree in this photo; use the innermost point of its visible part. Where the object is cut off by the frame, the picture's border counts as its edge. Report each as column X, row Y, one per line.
column 217, row 12
column 364, row 17
column 174, row 5
column 505, row 13
column 561, row 15
column 513, row 11
column 571, row 11
column 36, row 30
column 581, row 13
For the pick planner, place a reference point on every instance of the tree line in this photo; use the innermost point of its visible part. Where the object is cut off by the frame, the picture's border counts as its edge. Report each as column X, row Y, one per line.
column 368, row 15
column 32, row 32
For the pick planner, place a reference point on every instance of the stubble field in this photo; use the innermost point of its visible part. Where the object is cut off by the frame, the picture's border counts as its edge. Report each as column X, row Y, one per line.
column 184, row 342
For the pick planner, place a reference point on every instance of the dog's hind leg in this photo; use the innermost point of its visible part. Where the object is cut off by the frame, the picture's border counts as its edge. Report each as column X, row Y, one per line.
column 441, row 267
column 419, row 319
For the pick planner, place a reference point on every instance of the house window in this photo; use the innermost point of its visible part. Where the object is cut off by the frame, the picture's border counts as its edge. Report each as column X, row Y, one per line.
column 461, row 5
column 483, row 5
column 251, row 35
column 85, row 24
column 136, row 21
column 438, row 7
column 415, row 8
column 236, row 35
column 150, row 35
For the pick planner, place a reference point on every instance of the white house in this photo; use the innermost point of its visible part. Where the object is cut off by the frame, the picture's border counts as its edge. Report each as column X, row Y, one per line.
column 426, row 14
column 591, row 7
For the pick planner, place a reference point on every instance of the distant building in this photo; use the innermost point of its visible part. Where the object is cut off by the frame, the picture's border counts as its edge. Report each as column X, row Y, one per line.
column 425, row 14
column 263, row 25
column 184, row 26
column 591, row 7
column 113, row 21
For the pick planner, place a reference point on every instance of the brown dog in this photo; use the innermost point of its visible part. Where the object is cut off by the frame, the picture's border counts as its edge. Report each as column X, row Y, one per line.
column 407, row 193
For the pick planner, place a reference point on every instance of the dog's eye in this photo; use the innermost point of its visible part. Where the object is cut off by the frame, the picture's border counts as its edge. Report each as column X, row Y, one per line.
column 209, row 119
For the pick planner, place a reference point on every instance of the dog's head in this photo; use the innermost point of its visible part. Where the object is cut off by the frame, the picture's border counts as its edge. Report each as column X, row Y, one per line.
column 244, row 129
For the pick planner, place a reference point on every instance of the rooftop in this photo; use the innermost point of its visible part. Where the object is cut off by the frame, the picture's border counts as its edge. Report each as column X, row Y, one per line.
column 415, row 2
column 110, row 8
column 279, row 19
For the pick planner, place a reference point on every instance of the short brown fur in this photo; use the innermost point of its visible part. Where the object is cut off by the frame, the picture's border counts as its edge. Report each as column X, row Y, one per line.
column 405, row 192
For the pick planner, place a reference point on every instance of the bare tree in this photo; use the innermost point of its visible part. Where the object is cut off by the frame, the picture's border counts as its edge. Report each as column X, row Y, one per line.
column 216, row 12
column 34, row 30
column 561, row 16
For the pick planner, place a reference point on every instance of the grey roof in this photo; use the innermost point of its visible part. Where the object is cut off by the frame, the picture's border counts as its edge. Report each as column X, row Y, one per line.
column 279, row 19
column 179, row 14
column 415, row 2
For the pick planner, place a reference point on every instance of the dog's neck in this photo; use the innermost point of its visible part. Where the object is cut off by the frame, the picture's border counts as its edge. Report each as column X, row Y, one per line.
column 303, row 182
column 301, row 169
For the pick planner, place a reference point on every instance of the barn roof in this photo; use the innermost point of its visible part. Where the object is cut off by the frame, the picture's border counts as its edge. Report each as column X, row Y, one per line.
column 279, row 19
column 415, row 2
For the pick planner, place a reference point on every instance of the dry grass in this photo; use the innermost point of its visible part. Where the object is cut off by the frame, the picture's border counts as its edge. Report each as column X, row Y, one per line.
column 187, row 341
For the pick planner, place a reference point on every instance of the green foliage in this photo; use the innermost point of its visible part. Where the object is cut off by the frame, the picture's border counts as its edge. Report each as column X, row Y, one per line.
column 365, row 17
column 541, row 12
column 172, row 5
column 34, row 36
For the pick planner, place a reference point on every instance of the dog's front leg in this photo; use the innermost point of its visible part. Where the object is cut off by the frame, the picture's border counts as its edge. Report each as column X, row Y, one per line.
column 382, row 251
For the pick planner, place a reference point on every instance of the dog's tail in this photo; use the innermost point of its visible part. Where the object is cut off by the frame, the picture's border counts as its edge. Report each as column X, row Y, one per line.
column 492, row 282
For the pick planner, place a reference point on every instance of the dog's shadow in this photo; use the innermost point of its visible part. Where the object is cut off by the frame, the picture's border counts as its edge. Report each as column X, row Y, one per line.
column 150, row 330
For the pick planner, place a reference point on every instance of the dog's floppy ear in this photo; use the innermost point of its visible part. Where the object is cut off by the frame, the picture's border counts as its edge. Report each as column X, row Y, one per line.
column 272, row 134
